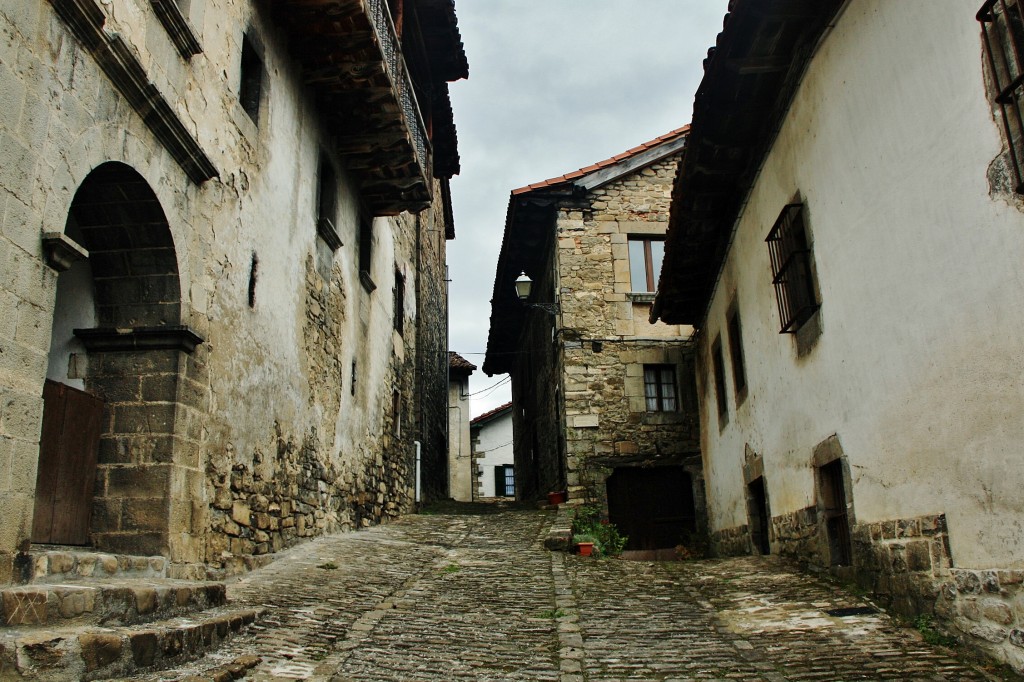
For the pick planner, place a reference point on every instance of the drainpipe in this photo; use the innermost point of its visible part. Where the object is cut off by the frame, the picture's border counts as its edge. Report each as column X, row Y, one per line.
column 418, row 446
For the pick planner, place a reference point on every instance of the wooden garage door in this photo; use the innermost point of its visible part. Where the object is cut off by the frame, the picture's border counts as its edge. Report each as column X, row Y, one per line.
column 67, row 465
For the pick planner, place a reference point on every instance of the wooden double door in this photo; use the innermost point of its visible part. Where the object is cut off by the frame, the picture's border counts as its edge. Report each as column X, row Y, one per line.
column 68, row 449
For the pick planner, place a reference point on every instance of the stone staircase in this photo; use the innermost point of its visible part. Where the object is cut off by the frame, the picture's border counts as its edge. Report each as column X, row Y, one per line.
column 87, row 615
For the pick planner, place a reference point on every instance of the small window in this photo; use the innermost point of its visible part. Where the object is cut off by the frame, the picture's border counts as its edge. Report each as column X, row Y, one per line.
column 399, row 302
column 504, row 481
column 327, row 203
column 739, row 373
column 660, row 388
column 1002, row 26
column 791, row 268
column 366, row 252
column 718, row 363
column 396, row 411
column 645, row 257
column 251, row 84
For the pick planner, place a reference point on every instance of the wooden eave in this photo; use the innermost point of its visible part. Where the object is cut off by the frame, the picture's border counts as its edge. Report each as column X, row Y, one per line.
column 750, row 78
column 354, row 63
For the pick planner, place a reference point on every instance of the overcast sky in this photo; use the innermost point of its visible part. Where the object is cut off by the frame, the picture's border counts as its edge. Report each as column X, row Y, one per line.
column 555, row 85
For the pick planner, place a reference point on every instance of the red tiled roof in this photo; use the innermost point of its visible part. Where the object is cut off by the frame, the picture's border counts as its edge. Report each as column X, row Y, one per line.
column 568, row 177
column 457, row 362
column 493, row 413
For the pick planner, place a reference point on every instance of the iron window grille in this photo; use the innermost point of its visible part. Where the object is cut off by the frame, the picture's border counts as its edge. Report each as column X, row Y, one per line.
column 791, row 269
column 1002, row 25
column 660, row 388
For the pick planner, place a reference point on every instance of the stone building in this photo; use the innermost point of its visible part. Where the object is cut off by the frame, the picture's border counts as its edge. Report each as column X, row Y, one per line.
column 460, row 447
column 493, row 456
column 222, row 252
column 603, row 401
column 853, row 181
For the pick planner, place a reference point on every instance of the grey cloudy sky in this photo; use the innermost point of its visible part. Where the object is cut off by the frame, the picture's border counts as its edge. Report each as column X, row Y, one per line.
column 555, row 85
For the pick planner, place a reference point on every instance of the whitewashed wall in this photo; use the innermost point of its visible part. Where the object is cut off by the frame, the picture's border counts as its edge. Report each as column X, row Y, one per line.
column 918, row 369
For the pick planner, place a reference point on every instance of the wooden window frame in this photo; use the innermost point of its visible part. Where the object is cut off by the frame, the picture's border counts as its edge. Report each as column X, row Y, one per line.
column 660, row 401
column 649, row 274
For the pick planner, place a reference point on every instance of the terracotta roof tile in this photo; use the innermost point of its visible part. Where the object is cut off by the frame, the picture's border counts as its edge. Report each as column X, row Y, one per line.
column 492, row 413
column 457, row 362
column 603, row 164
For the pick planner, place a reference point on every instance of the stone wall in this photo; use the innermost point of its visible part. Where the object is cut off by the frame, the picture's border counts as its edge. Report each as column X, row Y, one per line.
column 608, row 339
column 296, row 412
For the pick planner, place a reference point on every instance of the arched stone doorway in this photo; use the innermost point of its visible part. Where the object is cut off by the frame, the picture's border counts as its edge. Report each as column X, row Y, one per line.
column 126, row 354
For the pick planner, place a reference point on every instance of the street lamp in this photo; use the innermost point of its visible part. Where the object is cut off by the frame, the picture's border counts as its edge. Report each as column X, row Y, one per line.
column 523, row 287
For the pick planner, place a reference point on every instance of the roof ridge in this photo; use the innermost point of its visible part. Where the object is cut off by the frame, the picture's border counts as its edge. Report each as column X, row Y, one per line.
column 572, row 175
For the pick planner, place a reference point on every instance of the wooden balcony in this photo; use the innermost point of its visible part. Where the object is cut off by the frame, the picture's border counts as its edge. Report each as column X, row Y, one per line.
column 353, row 61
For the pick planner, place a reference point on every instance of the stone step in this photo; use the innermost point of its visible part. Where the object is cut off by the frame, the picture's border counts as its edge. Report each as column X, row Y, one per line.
column 106, row 602
column 94, row 653
column 58, row 564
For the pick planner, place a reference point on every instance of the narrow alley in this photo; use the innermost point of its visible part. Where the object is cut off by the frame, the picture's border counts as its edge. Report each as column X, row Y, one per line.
column 472, row 594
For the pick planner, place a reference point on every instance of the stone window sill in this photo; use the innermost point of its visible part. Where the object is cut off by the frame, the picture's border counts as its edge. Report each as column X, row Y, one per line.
column 641, row 296
column 656, row 418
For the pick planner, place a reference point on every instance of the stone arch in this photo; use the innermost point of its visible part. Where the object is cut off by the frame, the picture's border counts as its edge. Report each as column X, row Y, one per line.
column 136, row 357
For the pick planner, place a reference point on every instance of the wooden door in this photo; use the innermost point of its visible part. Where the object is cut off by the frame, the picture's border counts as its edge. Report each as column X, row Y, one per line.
column 68, row 448
column 654, row 507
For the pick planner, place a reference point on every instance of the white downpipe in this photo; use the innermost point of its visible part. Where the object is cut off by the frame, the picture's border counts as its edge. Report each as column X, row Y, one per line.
column 418, row 469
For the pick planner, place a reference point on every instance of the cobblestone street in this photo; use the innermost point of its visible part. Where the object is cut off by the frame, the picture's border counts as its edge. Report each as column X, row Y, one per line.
column 476, row 596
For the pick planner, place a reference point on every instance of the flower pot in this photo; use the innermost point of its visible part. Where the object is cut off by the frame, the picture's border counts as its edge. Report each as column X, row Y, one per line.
column 586, row 548
column 556, row 498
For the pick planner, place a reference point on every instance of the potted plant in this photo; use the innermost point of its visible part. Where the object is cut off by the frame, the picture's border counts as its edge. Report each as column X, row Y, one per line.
column 584, row 543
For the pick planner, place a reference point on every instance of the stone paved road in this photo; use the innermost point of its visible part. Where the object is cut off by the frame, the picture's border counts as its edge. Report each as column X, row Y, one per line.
column 477, row 597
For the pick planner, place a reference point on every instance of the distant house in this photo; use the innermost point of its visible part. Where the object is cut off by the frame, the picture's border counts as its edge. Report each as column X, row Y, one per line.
column 847, row 235
column 460, row 456
column 493, row 458
column 604, row 401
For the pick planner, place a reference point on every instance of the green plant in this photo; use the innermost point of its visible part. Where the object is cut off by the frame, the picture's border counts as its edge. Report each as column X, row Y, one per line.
column 451, row 568
column 587, row 521
column 552, row 613
column 925, row 624
column 583, row 537
column 328, row 566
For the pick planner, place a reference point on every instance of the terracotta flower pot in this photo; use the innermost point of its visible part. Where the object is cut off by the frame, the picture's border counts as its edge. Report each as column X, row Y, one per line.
column 556, row 498
column 586, row 548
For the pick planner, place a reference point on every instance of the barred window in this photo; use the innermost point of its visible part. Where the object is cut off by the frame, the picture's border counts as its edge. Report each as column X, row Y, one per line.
column 1002, row 26
column 791, row 268
column 660, row 388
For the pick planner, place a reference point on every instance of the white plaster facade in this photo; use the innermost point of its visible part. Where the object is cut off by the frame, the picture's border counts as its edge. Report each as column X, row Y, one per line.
column 460, row 448
column 492, row 446
column 893, row 148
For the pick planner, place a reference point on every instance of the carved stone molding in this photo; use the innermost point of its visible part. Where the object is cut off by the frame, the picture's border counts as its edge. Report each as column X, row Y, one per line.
column 113, row 339
column 61, row 251
column 177, row 26
column 86, row 19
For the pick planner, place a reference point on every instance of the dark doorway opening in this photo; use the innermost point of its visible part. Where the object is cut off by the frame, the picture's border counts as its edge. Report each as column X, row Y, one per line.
column 654, row 506
column 757, row 506
column 833, row 504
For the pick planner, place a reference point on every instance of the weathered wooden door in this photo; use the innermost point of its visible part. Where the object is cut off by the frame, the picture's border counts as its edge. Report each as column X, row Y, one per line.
column 654, row 506
column 67, row 465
